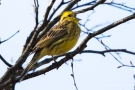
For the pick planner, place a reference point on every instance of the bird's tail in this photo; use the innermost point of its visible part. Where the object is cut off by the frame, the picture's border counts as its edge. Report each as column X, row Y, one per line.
column 35, row 58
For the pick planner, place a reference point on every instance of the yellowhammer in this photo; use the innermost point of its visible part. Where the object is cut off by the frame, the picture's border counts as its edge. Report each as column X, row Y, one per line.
column 59, row 40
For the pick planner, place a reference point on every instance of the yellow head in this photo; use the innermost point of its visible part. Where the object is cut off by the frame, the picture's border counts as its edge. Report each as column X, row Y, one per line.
column 69, row 15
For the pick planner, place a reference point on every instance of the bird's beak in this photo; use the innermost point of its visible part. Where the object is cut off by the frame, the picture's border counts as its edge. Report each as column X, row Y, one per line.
column 78, row 18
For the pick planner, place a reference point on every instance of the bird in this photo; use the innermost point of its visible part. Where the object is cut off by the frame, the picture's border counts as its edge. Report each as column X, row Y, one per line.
column 58, row 40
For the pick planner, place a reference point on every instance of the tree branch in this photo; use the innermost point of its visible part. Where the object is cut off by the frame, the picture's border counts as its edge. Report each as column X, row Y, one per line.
column 36, row 6
column 73, row 76
column 22, row 58
column 9, row 65
column 47, row 13
column 9, row 37
column 86, row 4
column 48, row 60
column 92, row 7
column 61, row 3
column 120, row 6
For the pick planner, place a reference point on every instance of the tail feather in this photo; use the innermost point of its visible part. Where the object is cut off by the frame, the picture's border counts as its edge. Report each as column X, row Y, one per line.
column 32, row 62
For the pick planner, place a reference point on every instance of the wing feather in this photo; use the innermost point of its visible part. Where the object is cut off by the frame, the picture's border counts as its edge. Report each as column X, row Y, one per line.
column 53, row 35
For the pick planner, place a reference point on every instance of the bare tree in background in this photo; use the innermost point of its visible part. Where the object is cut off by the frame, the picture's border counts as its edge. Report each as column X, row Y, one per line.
column 11, row 76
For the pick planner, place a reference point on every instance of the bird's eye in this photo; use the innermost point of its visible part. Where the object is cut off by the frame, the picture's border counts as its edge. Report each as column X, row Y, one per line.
column 69, row 15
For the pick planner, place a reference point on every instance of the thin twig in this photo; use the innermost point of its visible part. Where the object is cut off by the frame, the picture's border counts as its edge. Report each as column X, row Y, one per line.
column 43, row 25
column 111, row 53
column 47, row 12
column 123, row 65
column 73, row 75
column 85, row 4
column 120, row 6
column 61, row 3
column 91, row 8
column 9, row 65
column 36, row 7
column 9, row 37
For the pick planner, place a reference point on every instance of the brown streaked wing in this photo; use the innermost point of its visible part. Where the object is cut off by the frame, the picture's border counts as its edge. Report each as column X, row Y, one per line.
column 53, row 35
